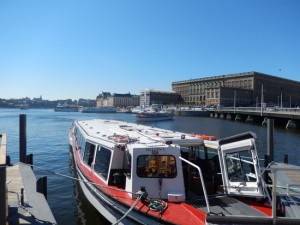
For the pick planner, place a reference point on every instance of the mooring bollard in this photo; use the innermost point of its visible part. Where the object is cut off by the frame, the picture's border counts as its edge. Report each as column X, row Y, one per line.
column 285, row 159
column 22, row 196
column 41, row 186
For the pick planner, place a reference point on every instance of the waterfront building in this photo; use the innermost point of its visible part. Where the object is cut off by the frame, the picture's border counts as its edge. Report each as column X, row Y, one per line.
column 86, row 102
column 149, row 97
column 240, row 89
column 117, row 100
column 102, row 99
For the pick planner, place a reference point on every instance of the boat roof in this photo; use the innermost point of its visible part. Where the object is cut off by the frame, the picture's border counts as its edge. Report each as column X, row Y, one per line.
column 121, row 132
column 238, row 141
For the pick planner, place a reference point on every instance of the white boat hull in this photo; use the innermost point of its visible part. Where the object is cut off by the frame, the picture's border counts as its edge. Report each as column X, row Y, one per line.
column 148, row 119
column 111, row 210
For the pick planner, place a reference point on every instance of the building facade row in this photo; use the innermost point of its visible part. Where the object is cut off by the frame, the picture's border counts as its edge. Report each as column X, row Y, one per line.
column 240, row 89
column 149, row 97
column 117, row 100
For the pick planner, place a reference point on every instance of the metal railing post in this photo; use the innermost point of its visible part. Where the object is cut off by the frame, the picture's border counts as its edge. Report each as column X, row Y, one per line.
column 202, row 182
column 274, row 197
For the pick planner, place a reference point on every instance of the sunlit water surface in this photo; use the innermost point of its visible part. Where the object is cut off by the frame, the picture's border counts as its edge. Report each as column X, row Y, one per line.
column 47, row 140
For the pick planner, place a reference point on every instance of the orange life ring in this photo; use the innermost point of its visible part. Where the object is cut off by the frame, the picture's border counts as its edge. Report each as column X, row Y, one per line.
column 206, row 137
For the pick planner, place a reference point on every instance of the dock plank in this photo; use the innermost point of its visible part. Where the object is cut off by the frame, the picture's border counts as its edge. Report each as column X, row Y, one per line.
column 35, row 209
column 288, row 174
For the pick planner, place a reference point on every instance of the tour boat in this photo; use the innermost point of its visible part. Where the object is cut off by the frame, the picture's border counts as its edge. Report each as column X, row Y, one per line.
column 145, row 116
column 104, row 109
column 66, row 108
column 137, row 174
column 24, row 107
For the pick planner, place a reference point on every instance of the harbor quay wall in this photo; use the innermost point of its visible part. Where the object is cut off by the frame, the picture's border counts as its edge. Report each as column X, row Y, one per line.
column 192, row 113
column 289, row 117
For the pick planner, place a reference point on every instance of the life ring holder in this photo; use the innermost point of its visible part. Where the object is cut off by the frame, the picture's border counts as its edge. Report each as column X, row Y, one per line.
column 119, row 138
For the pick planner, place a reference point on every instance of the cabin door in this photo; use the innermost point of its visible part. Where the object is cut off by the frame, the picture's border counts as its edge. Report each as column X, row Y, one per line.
column 240, row 169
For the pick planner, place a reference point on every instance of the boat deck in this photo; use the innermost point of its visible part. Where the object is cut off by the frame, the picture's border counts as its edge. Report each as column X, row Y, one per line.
column 228, row 210
column 225, row 205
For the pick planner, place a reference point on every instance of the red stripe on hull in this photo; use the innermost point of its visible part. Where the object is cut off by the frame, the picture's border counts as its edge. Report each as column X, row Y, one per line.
column 177, row 213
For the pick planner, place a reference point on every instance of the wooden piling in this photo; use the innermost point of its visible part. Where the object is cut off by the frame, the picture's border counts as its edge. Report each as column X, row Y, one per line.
column 22, row 130
column 270, row 142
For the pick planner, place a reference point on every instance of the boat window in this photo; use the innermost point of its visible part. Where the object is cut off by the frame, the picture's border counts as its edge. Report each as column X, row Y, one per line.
column 240, row 167
column 76, row 131
column 156, row 166
column 193, row 152
column 102, row 162
column 127, row 163
column 80, row 141
column 89, row 152
column 82, row 144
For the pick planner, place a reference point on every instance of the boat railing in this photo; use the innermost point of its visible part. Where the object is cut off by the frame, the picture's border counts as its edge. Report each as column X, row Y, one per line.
column 289, row 191
column 202, row 181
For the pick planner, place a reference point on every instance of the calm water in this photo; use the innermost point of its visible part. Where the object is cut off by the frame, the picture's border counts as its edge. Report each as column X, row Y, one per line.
column 47, row 140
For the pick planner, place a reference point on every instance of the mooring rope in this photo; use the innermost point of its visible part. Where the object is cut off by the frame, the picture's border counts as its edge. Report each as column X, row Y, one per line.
column 77, row 179
column 130, row 209
column 156, row 205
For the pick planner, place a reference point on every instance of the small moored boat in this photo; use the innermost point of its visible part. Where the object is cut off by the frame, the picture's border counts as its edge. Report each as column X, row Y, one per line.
column 145, row 116
column 105, row 109
column 66, row 108
column 136, row 174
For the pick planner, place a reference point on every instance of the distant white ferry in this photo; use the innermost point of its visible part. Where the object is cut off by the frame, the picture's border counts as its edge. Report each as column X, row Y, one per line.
column 66, row 108
column 153, row 116
column 106, row 109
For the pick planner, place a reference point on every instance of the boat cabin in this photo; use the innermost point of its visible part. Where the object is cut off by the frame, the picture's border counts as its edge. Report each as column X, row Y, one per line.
column 168, row 165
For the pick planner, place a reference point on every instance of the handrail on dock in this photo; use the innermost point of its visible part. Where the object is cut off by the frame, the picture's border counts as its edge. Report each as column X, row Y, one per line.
column 202, row 181
column 3, row 202
column 288, row 194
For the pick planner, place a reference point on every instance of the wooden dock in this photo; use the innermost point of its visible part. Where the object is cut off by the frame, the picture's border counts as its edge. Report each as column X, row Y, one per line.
column 288, row 187
column 20, row 202
column 29, row 207
column 286, row 173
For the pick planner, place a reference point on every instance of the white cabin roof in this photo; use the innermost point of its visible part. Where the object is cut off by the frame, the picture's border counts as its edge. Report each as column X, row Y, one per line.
column 121, row 132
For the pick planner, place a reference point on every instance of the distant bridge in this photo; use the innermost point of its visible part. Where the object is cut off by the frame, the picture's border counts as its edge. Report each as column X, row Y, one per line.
column 289, row 117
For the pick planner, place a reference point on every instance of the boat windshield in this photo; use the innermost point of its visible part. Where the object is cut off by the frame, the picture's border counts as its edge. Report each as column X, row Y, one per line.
column 240, row 167
column 156, row 166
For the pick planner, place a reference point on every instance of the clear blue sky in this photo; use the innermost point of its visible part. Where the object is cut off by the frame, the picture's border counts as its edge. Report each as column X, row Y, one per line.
column 76, row 49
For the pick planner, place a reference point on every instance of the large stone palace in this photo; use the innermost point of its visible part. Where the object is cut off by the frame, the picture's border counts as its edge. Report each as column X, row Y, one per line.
column 240, row 89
